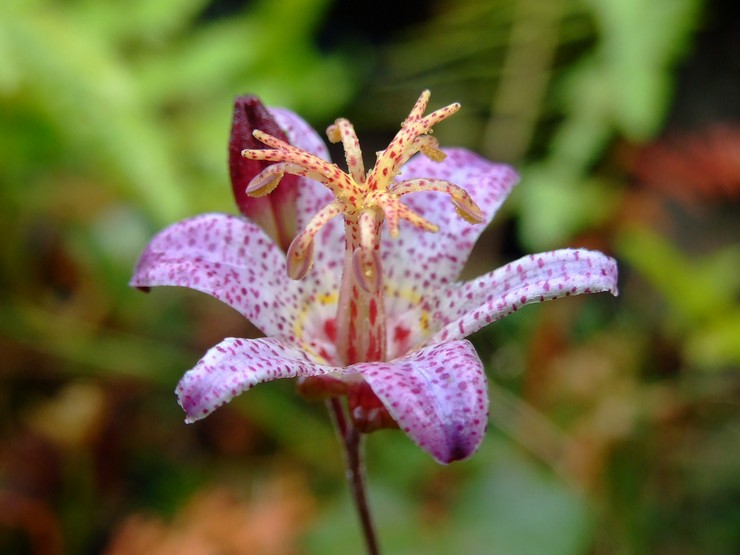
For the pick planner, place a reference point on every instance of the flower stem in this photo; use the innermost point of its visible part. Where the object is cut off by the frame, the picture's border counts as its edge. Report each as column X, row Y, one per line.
column 352, row 442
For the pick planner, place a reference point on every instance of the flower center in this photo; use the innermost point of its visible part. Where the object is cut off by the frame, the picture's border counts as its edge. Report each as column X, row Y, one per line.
column 365, row 201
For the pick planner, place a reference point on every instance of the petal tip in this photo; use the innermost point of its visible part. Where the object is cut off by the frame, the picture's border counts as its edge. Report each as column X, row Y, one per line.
column 460, row 444
column 134, row 283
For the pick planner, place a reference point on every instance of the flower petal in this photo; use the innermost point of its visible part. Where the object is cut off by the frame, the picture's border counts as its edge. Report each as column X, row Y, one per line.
column 417, row 263
column 467, row 307
column 447, row 251
column 437, row 395
column 232, row 259
column 227, row 257
column 236, row 365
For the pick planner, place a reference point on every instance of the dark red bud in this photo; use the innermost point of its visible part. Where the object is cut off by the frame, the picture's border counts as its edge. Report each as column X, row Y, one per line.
column 249, row 114
column 272, row 212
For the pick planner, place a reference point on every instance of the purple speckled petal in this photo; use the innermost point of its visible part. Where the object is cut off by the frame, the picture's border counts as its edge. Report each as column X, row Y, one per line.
column 465, row 308
column 417, row 263
column 446, row 251
column 227, row 257
column 438, row 396
column 232, row 259
column 236, row 365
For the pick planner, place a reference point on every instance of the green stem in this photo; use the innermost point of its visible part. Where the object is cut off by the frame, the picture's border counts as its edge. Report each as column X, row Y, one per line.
column 352, row 442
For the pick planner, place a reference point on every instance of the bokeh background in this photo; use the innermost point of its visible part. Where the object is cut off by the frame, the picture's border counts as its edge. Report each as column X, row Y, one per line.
column 615, row 423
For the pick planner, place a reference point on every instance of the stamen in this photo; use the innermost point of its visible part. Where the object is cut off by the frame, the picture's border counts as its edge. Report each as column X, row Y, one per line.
column 394, row 211
column 299, row 257
column 342, row 130
column 366, row 269
column 365, row 259
column 390, row 205
column 369, row 224
column 265, row 177
column 429, row 147
column 466, row 215
column 266, row 181
column 460, row 198
column 300, row 253
column 405, row 213
column 340, row 184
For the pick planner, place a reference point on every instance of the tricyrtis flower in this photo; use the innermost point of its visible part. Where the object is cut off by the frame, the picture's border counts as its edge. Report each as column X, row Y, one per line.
column 366, row 301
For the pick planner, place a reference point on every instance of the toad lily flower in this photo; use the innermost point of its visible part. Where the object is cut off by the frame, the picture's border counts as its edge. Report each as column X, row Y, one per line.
column 354, row 307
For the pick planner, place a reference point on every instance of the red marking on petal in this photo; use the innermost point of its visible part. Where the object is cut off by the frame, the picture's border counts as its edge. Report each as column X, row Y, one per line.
column 401, row 334
column 330, row 329
column 373, row 311
column 373, row 350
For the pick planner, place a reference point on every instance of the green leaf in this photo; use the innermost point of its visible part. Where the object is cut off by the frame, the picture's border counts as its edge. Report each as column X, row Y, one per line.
column 695, row 290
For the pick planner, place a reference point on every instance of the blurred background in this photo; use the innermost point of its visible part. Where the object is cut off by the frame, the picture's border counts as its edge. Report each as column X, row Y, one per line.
column 615, row 423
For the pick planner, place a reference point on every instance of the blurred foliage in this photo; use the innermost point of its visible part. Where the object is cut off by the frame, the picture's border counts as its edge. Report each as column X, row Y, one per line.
column 702, row 313
column 117, row 90
column 522, row 66
column 614, row 424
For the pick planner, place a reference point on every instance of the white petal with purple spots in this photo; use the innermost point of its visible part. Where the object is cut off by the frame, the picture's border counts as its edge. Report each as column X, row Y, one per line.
column 236, row 365
column 227, row 257
column 465, row 308
column 417, row 262
column 438, row 396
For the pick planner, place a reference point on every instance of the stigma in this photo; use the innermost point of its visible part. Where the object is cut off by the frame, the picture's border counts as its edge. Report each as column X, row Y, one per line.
column 366, row 200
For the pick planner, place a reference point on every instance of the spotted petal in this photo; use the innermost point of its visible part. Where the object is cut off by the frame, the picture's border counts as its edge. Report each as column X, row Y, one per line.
column 312, row 196
column 465, row 308
column 417, row 262
column 437, row 395
column 236, row 365
column 227, row 257
column 447, row 250
column 232, row 259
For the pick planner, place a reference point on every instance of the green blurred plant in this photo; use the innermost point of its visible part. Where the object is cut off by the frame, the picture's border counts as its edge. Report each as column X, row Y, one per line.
column 114, row 121
column 114, row 118
column 548, row 87
column 136, row 94
column 703, row 314
column 622, row 89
